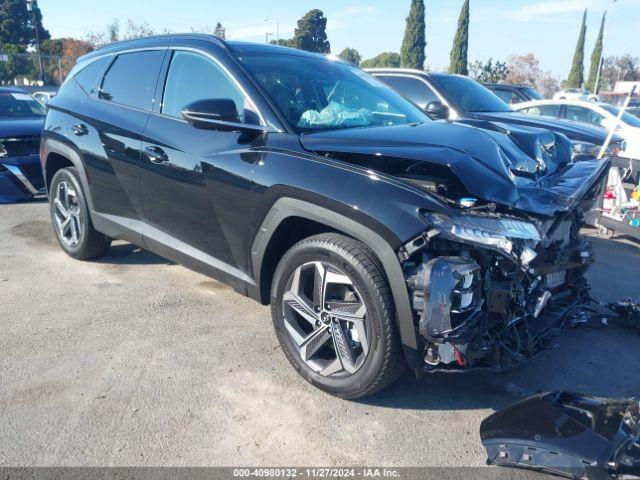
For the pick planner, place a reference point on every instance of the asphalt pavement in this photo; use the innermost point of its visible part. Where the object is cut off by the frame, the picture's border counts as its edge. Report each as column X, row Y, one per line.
column 134, row 360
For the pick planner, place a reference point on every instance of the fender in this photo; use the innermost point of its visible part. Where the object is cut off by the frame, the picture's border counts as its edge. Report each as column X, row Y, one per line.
column 50, row 146
column 290, row 207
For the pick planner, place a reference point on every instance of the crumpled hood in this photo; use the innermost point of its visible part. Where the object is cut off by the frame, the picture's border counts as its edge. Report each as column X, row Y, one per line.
column 22, row 127
column 527, row 169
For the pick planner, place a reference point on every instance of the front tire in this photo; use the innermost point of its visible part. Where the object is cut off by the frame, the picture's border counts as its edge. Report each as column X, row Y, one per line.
column 70, row 217
column 334, row 316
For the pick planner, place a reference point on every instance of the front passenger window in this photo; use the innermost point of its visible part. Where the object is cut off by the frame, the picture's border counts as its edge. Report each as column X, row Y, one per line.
column 194, row 77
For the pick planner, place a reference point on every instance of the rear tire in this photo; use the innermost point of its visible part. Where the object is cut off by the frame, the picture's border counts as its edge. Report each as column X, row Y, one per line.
column 334, row 316
column 71, row 219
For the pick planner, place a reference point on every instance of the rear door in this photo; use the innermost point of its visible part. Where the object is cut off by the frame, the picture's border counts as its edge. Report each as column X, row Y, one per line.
column 112, row 127
column 196, row 183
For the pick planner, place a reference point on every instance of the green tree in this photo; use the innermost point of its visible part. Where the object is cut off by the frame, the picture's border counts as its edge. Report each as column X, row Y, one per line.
column 413, row 44
column 384, row 60
column 282, row 42
column 311, row 33
column 15, row 62
column 458, row 57
column 489, row 72
column 351, row 55
column 576, row 76
column 219, row 31
column 596, row 58
column 16, row 25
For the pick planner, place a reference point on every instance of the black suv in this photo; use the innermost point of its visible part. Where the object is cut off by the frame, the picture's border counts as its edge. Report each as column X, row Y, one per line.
column 378, row 236
column 462, row 99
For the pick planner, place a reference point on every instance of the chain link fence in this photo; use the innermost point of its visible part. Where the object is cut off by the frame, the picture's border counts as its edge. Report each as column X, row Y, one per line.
column 23, row 69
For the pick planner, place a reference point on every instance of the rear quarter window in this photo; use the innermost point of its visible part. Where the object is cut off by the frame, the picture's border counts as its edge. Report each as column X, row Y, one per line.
column 87, row 78
column 131, row 79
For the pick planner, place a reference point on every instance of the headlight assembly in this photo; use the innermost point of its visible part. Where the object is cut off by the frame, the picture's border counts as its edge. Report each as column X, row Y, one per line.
column 586, row 148
column 497, row 233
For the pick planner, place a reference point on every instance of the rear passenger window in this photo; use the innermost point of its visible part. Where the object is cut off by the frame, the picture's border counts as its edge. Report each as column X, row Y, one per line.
column 131, row 79
column 87, row 78
column 545, row 110
column 507, row 96
column 413, row 89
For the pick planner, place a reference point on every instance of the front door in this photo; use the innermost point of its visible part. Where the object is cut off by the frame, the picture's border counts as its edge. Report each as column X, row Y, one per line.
column 196, row 183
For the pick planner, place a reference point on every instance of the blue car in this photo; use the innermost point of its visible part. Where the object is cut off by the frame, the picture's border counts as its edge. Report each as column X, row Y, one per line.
column 21, row 122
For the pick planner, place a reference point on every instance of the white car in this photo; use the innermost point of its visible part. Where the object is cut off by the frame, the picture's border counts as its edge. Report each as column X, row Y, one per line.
column 594, row 113
column 576, row 94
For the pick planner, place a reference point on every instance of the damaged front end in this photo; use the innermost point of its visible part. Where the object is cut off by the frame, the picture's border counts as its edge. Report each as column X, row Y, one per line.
column 567, row 434
column 499, row 267
column 492, row 290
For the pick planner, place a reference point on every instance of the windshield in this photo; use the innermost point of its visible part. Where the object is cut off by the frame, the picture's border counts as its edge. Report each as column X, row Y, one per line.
column 317, row 94
column 468, row 95
column 626, row 117
column 19, row 105
column 532, row 93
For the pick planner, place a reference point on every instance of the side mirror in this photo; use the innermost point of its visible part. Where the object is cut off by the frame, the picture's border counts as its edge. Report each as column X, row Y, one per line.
column 218, row 114
column 437, row 110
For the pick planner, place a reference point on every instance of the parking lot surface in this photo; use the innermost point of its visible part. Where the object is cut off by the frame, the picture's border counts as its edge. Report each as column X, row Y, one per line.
column 133, row 360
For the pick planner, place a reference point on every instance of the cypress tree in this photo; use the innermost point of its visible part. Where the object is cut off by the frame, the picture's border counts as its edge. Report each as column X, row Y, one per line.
column 458, row 62
column 576, row 76
column 596, row 58
column 413, row 43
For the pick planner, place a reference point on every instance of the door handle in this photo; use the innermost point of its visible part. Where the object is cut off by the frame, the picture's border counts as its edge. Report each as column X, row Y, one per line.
column 156, row 154
column 79, row 129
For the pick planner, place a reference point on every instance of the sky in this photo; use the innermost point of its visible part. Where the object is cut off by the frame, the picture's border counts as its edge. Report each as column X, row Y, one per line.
column 498, row 28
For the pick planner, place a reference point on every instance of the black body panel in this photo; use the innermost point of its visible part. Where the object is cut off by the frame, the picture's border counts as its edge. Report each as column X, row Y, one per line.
column 567, row 434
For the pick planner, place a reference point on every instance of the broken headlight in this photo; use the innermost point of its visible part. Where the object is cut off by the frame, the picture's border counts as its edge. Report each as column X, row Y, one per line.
column 497, row 233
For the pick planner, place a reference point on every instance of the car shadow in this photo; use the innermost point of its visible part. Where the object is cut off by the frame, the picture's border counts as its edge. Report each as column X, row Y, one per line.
column 130, row 254
column 595, row 360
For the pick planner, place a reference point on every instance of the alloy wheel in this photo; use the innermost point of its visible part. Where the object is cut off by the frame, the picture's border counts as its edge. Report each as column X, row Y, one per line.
column 67, row 214
column 326, row 318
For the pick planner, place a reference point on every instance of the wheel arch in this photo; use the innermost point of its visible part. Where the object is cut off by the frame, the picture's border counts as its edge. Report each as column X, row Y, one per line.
column 58, row 155
column 272, row 241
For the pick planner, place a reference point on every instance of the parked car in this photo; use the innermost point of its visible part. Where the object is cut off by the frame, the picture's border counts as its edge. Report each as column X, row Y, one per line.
column 44, row 96
column 21, row 122
column 592, row 113
column 461, row 99
column 378, row 236
column 514, row 93
column 576, row 94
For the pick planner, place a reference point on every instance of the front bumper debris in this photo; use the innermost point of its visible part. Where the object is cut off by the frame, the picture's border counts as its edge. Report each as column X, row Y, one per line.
column 567, row 434
column 21, row 178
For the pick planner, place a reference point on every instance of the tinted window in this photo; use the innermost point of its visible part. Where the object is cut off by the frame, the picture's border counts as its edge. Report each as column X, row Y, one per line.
column 532, row 94
column 131, row 79
column 87, row 78
column 194, row 77
column 584, row 115
column 626, row 117
column 507, row 96
column 413, row 89
column 546, row 110
column 320, row 94
column 19, row 104
column 468, row 95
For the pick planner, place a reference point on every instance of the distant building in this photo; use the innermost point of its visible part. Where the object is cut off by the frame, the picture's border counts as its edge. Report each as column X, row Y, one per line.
column 620, row 92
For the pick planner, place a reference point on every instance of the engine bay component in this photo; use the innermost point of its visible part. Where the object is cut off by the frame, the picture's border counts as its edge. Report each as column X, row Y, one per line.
column 566, row 434
column 446, row 294
column 491, row 291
